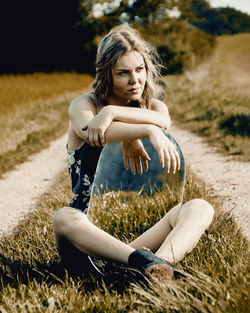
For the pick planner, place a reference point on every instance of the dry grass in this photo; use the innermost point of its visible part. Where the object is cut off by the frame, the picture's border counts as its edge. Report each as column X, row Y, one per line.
column 214, row 99
column 34, row 280
column 33, row 111
column 18, row 90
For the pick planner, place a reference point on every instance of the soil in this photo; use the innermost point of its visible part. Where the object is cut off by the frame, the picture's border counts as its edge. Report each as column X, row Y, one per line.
column 224, row 176
column 21, row 189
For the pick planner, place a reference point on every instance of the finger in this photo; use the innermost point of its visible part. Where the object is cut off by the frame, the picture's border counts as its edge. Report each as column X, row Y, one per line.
column 85, row 135
column 102, row 138
column 178, row 160
column 145, row 165
column 132, row 165
column 144, row 154
column 96, row 140
column 173, row 161
column 161, row 158
column 138, row 165
column 91, row 139
column 167, row 160
column 125, row 162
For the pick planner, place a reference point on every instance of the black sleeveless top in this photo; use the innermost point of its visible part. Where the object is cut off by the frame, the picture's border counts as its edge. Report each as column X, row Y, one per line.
column 82, row 166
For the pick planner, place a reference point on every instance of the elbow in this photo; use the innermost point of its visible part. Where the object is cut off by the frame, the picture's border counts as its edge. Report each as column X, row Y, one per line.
column 167, row 123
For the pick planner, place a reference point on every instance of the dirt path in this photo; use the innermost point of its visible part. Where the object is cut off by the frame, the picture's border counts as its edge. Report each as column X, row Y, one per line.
column 225, row 176
column 20, row 189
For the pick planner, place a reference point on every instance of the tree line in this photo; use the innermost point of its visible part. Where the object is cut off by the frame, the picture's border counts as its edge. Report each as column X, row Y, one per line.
column 62, row 35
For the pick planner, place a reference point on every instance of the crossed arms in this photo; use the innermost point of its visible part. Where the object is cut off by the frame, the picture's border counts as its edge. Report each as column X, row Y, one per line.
column 127, row 125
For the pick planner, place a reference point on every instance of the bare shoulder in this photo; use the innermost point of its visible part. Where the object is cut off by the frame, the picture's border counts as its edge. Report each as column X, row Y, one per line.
column 82, row 103
column 158, row 105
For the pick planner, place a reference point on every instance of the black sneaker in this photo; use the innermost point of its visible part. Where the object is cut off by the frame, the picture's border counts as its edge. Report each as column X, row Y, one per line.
column 151, row 265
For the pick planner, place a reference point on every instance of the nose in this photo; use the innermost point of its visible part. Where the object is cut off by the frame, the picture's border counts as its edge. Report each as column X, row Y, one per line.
column 133, row 78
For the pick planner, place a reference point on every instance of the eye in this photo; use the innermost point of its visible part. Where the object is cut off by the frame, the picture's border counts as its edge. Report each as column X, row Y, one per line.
column 139, row 69
column 122, row 72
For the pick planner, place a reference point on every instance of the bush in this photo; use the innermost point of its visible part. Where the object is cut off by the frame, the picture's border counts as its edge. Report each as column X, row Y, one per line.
column 238, row 124
column 180, row 45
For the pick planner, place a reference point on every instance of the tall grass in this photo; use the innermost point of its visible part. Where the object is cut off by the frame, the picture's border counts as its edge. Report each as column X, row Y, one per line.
column 33, row 111
column 214, row 100
column 34, row 280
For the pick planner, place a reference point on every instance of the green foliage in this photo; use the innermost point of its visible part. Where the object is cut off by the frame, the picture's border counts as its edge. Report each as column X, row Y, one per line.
column 219, row 21
column 67, row 41
column 238, row 124
column 181, row 46
column 213, row 99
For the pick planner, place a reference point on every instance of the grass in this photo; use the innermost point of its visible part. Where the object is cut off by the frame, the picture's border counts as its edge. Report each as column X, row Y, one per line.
column 34, row 280
column 34, row 111
column 213, row 100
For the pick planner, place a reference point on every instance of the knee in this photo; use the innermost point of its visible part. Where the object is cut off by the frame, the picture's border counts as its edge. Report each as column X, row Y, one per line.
column 60, row 221
column 64, row 220
column 203, row 211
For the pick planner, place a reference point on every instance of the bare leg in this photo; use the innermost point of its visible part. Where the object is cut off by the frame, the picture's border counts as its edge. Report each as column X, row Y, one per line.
column 75, row 226
column 194, row 218
column 178, row 232
column 171, row 238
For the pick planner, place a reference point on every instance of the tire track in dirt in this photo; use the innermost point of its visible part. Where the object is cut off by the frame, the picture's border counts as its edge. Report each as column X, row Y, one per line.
column 21, row 188
column 223, row 175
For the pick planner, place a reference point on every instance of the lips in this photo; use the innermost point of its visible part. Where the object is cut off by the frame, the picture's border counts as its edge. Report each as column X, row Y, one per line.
column 134, row 90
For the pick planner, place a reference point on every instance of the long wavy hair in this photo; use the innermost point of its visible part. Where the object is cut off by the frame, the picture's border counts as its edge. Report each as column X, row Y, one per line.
column 118, row 41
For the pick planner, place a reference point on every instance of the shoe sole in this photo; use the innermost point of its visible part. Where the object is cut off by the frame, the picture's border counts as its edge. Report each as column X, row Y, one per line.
column 160, row 271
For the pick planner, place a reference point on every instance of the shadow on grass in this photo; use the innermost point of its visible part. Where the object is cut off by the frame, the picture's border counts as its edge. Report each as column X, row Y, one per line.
column 14, row 272
column 31, row 270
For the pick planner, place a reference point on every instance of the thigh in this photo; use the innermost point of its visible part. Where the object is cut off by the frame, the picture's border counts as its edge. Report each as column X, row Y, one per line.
column 154, row 237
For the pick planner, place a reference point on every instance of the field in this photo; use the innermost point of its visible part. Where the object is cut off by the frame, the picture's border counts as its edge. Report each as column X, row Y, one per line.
column 34, row 111
column 33, row 279
column 213, row 100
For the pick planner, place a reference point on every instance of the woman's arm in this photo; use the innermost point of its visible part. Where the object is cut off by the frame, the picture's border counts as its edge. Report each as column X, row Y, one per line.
column 158, row 115
column 83, row 115
column 119, row 131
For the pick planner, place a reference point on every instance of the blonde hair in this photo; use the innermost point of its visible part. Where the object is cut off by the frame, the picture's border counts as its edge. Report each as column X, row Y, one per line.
column 118, row 41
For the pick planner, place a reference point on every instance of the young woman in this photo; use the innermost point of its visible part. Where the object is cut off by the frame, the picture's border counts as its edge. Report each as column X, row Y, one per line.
column 123, row 109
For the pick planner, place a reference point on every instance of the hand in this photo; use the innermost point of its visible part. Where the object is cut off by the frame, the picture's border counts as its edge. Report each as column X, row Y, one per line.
column 136, row 155
column 166, row 150
column 94, row 132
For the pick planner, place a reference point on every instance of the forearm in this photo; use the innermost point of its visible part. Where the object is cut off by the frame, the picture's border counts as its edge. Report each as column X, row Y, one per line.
column 139, row 116
column 119, row 131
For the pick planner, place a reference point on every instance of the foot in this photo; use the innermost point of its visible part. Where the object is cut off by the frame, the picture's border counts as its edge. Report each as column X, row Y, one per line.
column 152, row 266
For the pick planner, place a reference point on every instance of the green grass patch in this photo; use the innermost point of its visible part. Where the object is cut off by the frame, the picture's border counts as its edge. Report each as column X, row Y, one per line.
column 220, row 116
column 213, row 100
column 33, row 278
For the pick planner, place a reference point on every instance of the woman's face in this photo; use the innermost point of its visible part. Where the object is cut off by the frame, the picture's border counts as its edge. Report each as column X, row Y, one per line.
column 129, row 77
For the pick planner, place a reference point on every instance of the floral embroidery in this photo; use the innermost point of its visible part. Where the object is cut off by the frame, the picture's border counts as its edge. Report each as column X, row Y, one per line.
column 77, row 170
column 81, row 180
column 86, row 181
column 86, row 193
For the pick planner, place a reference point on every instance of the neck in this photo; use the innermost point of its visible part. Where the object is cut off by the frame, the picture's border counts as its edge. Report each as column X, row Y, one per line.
column 112, row 100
